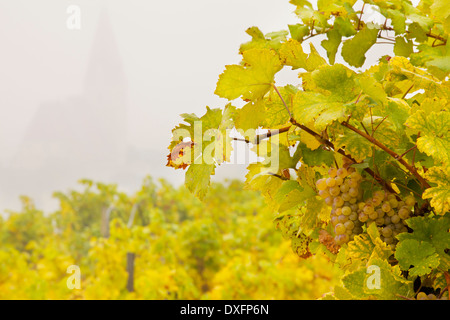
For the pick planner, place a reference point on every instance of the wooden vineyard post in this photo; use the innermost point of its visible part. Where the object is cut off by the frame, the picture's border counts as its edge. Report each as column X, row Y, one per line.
column 130, row 270
column 104, row 226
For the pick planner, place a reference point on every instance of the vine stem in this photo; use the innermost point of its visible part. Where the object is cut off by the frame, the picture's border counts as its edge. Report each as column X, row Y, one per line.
column 329, row 144
column 360, row 16
column 385, row 184
column 388, row 151
column 429, row 34
column 260, row 137
column 281, row 97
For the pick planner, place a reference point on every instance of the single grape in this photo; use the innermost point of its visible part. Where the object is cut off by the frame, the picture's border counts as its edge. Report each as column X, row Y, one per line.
column 346, row 196
column 338, row 202
column 395, row 219
column 393, row 202
column 353, row 192
column 339, row 229
column 376, row 201
column 353, row 200
column 386, row 207
column 324, row 194
column 379, row 221
column 349, row 225
column 390, row 213
column 368, row 209
column 344, row 187
column 356, row 176
column 332, row 172
column 410, row 201
column 361, row 205
column 342, row 218
column 334, row 191
column 321, row 184
column 334, row 220
column 346, row 210
column 331, row 182
column 422, row 296
column 342, row 238
column 353, row 216
column 339, row 181
column 387, row 220
column 329, row 201
column 373, row 215
column 353, row 183
column 388, row 240
column 363, row 217
column 386, row 231
column 379, row 194
column 403, row 213
column 342, row 173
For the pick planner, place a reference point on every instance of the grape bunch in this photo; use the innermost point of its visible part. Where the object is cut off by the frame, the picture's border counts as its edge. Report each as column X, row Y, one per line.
column 342, row 191
column 388, row 213
column 423, row 296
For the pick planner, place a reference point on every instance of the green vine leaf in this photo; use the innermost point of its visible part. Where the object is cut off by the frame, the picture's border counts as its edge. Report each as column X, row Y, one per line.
column 419, row 254
column 439, row 195
column 354, row 49
column 252, row 80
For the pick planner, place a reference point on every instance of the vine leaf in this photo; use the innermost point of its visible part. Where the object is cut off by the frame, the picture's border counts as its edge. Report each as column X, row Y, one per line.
column 357, row 146
column 435, row 133
column 434, row 231
column 252, row 80
column 440, row 195
column 338, row 80
column 354, row 49
column 420, row 254
column 291, row 54
column 198, row 178
column 332, row 44
column 312, row 106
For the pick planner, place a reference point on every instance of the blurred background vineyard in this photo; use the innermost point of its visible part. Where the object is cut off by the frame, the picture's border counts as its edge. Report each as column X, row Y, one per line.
column 159, row 243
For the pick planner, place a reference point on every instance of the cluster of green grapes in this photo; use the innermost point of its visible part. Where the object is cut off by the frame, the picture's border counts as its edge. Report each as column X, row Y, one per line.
column 423, row 296
column 342, row 191
column 388, row 213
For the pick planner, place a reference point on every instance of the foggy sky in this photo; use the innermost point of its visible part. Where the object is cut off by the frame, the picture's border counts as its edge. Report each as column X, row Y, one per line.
column 172, row 53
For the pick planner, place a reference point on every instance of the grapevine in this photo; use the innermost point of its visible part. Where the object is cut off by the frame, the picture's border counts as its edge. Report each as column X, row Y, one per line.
column 362, row 170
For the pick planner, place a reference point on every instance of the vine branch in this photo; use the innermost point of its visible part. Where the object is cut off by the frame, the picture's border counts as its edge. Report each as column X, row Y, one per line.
column 386, row 185
column 388, row 151
column 263, row 136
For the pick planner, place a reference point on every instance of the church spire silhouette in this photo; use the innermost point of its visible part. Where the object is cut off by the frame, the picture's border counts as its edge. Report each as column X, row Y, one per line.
column 84, row 133
column 106, row 88
column 105, row 76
